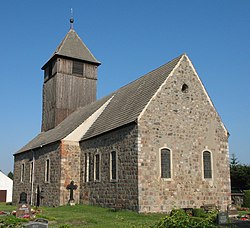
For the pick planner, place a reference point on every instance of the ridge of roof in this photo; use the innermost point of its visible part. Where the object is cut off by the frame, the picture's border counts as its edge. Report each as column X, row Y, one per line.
column 125, row 106
column 129, row 101
column 73, row 47
column 67, row 126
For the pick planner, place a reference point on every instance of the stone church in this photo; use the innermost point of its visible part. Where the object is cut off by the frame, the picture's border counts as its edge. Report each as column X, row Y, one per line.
column 155, row 144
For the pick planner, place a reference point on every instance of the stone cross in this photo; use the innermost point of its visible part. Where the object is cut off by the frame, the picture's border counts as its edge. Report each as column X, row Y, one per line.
column 71, row 187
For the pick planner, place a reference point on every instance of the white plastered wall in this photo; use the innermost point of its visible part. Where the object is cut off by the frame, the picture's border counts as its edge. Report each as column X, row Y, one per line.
column 6, row 184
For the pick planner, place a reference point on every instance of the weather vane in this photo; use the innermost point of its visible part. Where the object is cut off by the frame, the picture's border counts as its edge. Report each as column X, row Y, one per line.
column 71, row 19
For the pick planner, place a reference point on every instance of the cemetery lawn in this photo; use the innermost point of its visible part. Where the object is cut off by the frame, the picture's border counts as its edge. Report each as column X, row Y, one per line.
column 92, row 216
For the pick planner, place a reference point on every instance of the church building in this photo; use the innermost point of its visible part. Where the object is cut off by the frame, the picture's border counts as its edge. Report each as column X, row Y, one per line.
column 155, row 144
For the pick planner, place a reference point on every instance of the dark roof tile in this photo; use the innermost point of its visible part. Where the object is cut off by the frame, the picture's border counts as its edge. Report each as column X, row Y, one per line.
column 130, row 100
column 73, row 47
column 125, row 107
column 65, row 127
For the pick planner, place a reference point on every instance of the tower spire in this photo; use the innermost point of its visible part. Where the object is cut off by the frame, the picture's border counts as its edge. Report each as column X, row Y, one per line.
column 71, row 18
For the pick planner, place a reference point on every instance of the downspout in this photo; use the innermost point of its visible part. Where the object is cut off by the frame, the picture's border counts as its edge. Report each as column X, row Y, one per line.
column 32, row 181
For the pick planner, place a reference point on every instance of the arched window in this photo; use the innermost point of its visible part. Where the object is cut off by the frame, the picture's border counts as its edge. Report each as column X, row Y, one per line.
column 87, row 167
column 97, row 164
column 113, row 166
column 207, row 164
column 22, row 172
column 47, row 170
column 31, row 171
column 165, row 163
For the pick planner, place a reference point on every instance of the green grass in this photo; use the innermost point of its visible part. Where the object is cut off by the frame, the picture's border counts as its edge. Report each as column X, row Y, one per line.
column 8, row 208
column 92, row 216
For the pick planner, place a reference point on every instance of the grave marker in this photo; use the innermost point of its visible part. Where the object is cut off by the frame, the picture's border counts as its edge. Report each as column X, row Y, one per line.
column 71, row 187
column 38, row 223
column 23, row 198
column 23, row 211
column 222, row 218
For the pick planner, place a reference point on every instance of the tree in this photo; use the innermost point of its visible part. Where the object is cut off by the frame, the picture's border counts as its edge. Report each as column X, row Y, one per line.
column 234, row 161
column 240, row 174
column 10, row 175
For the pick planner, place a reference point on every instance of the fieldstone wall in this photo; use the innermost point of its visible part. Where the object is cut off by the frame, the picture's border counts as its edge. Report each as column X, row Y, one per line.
column 50, row 189
column 70, row 171
column 18, row 186
column 182, row 119
column 122, row 193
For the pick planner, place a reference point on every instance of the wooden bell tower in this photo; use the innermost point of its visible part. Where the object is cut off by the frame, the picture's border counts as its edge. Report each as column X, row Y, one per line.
column 70, row 78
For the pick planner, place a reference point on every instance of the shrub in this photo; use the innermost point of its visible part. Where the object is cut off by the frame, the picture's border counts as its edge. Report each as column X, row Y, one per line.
column 179, row 219
column 199, row 212
column 178, row 212
column 246, row 199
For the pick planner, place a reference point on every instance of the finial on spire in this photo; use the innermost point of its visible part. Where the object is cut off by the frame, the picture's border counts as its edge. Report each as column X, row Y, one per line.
column 71, row 19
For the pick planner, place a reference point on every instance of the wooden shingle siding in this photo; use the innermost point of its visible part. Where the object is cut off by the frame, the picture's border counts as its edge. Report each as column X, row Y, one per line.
column 49, row 104
column 71, row 84
column 90, row 71
column 65, row 66
column 54, row 67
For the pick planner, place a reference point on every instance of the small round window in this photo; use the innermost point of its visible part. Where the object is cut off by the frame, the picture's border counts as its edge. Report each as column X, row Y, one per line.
column 184, row 88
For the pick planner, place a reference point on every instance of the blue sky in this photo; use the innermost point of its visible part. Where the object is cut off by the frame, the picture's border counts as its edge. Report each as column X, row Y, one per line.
column 130, row 38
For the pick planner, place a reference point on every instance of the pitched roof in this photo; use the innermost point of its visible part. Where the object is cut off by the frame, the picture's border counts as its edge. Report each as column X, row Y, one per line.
column 125, row 107
column 129, row 101
column 73, row 47
column 65, row 127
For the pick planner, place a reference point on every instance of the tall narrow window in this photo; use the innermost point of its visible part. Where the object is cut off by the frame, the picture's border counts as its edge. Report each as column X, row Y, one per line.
column 47, row 170
column 113, row 165
column 89, row 167
column 22, row 172
column 31, row 171
column 97, row 167
column 165, row 163
column 86, row 176
column 207, row 165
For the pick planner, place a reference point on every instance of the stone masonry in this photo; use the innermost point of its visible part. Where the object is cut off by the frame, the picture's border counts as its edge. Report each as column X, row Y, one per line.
column 70, row 170
column 186, row 123
column 64, row 160
column 122, row 193
column 50, row 189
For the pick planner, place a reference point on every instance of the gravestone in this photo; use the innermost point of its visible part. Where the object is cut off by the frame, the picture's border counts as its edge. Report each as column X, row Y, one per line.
column 23, row 198
column 71, row 187
column 232, row 211
column 23, row 211
column 222, row 218
column 38, row 223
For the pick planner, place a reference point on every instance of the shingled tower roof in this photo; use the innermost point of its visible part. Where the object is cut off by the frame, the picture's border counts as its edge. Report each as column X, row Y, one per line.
column 73, row 47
